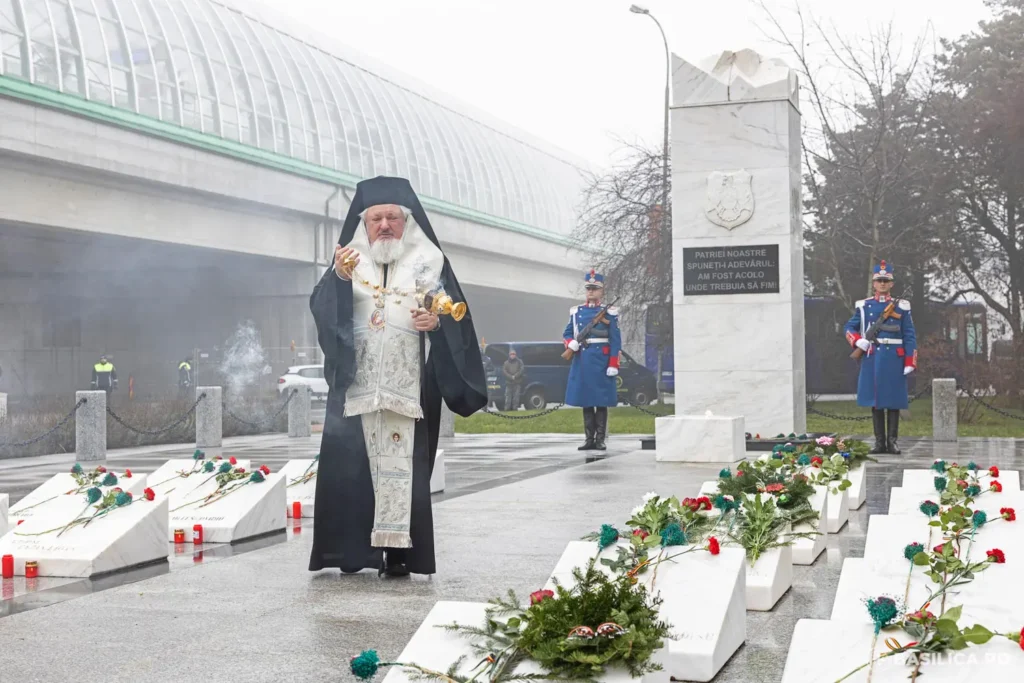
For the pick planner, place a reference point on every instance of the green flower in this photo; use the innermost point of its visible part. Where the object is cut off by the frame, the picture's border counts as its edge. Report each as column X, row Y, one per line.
column 973, row 466
column 256, row 477
column 940, row 484
column 789, row 448
column 224, row 468
column 780, row 435
column 77, row 469
column 802, row 436
column 122, row 498
column 939, row 465
column 777, row 448
column 109, row 480
column 973, row 491
column 93, row 495
column 609, row 535
column 804, row 460
column 883, row 611
column 208, row 466
column 979, row 518
column 365, row 665
column 725, row 503
column 929, row 508
column 725, row 474
column 673, row 535
column 911, row 551
column 783, row 499
column 198, row 455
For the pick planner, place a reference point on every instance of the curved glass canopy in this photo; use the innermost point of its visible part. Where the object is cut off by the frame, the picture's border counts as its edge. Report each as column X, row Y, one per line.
column 210, row 67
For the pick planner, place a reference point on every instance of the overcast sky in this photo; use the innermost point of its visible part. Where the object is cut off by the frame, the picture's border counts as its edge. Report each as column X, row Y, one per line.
column 578, row 73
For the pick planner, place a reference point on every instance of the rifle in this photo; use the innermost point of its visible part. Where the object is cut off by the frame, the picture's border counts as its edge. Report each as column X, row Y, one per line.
column 871, row 334
column 581, row 338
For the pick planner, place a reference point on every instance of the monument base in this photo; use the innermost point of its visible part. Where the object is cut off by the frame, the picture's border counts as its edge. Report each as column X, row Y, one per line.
column 692, row 438
column 437, row 476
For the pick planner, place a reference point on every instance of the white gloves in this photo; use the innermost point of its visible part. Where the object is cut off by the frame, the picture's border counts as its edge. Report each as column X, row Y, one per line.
column 907, row 370
column 612, row 372
column 864, row 345
column 574, row 345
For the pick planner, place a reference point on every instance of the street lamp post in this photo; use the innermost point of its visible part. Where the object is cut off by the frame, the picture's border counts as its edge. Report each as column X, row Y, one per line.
column 637, row 9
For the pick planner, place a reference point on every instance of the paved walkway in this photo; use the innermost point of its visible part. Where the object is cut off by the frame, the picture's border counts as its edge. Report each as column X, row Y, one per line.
column 260, row 616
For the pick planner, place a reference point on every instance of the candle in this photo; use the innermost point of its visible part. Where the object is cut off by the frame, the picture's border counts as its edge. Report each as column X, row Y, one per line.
column 197, row 534
column 297, row 510
column 31, row 569
column 8, row 566
column 179, row 535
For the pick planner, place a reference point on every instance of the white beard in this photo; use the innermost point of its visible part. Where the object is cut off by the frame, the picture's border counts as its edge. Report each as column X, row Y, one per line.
column 386, row 251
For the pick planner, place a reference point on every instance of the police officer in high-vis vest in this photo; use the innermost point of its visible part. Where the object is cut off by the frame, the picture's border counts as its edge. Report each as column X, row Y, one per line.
column 184, row 377
column 888, row 358
column 104, row 376
column 595, row 361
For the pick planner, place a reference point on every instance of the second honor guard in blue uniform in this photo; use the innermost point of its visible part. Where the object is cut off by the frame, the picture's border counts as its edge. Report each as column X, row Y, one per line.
column 888, row 359
column 595, row 362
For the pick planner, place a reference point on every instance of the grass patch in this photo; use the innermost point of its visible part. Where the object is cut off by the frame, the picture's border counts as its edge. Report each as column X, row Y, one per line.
column 625, row 420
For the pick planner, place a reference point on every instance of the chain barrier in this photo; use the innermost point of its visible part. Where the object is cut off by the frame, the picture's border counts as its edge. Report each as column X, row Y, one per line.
column 643, row 410
column 67, row 418
column 860, row 418
column 156, row 432
column 1004, row 413
column 542, row 413
column 260, row 424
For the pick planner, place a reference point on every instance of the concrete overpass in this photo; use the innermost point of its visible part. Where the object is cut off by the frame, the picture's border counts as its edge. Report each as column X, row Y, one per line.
column 185, row 170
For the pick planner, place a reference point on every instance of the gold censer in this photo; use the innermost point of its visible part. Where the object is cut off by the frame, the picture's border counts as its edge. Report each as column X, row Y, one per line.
column 439, row 303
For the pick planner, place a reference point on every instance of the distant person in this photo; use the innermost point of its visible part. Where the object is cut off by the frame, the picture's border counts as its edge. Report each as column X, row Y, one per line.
column 184, row 378
column 595, row 361
column 104, row 375
column 515, row 374
column 889, row 358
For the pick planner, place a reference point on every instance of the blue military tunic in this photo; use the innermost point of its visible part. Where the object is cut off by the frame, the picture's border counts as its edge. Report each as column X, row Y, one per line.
column 589, row 384
column 882, row 382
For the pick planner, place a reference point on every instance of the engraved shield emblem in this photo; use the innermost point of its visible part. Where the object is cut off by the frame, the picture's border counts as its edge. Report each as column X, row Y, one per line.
column 730, row 200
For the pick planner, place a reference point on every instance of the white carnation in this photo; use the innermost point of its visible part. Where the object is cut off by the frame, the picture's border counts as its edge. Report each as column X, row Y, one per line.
column 637, row 510
column 649, row 496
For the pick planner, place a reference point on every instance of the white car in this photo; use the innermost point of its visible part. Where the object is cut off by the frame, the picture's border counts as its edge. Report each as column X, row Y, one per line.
column 311, row 376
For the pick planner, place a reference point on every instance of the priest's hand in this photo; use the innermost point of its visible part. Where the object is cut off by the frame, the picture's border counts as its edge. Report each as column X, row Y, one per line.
column 345, row 261
column 424, row 321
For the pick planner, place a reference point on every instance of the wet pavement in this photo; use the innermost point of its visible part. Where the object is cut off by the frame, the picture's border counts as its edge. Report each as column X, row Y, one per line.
column 512, row 505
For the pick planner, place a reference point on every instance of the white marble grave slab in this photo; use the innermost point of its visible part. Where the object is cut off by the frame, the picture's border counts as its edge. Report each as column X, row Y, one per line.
column 709, row 489
column 806, row 550
column 4, row 498
column 889, row 535
column 64, row 484
column 126, row 537
column 434, row 648
column 177, row 478
column 696, row 581
column 907, row 502
column 828, row 650
column 437, row 475
column 296, row 490
column 692, row 438
column 769, row 578
column 857, row 494
column 838, row 511
column 249, row 511
column 923, row 481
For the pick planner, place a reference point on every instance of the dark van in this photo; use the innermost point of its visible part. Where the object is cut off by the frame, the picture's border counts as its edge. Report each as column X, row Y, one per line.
column 547, row 374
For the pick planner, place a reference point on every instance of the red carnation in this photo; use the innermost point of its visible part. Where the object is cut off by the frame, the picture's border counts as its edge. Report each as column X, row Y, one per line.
column 994, row 471
column 704, row 503
column 816, row 461
column 129, row 494
column 691, row 504
column 233, row 460
column 774, row 488
column 150, row 494
column 1020, row 638
column 538, row 597
column 264, row 469
column 127, row 473
column 922, row 615
column 938, row 549
column 641, row 533
column 996, row 555
column 241, row 470
column 713, row 546
column 1008, row 514
column 118, row 489
column 996, row 486
column 961, row 483
column 101, row 469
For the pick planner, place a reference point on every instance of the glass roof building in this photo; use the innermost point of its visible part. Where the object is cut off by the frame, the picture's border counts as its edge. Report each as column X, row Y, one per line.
column 222, row 68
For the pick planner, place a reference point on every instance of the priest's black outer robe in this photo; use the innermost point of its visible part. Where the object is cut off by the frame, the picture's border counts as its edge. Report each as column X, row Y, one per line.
column 453, row 372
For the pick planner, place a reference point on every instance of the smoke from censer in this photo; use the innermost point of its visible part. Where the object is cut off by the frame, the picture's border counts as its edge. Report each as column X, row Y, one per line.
column 244, row 361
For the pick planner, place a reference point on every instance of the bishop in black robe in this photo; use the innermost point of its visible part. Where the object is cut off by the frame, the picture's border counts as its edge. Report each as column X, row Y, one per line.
column 452, row 372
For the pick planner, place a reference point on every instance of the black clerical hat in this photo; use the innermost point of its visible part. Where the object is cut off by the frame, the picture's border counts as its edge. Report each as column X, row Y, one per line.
column 385, row 190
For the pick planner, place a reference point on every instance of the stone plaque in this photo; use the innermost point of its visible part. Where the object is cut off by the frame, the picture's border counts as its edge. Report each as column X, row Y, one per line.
column 731, row 270
column 730, row 199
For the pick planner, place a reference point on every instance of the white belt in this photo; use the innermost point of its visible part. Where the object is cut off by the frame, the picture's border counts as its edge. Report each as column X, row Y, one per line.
column 898, row 342
column 597, row 341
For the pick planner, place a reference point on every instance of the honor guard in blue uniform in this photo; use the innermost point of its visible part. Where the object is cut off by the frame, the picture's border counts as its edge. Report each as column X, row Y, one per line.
column 593, row 382
column 889, row 356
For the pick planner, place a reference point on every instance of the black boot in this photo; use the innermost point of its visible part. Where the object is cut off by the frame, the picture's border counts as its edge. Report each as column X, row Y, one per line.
column 878, row 416
column 601, row 429
column 393, row 563
column 893, row 418
column 590, row 428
